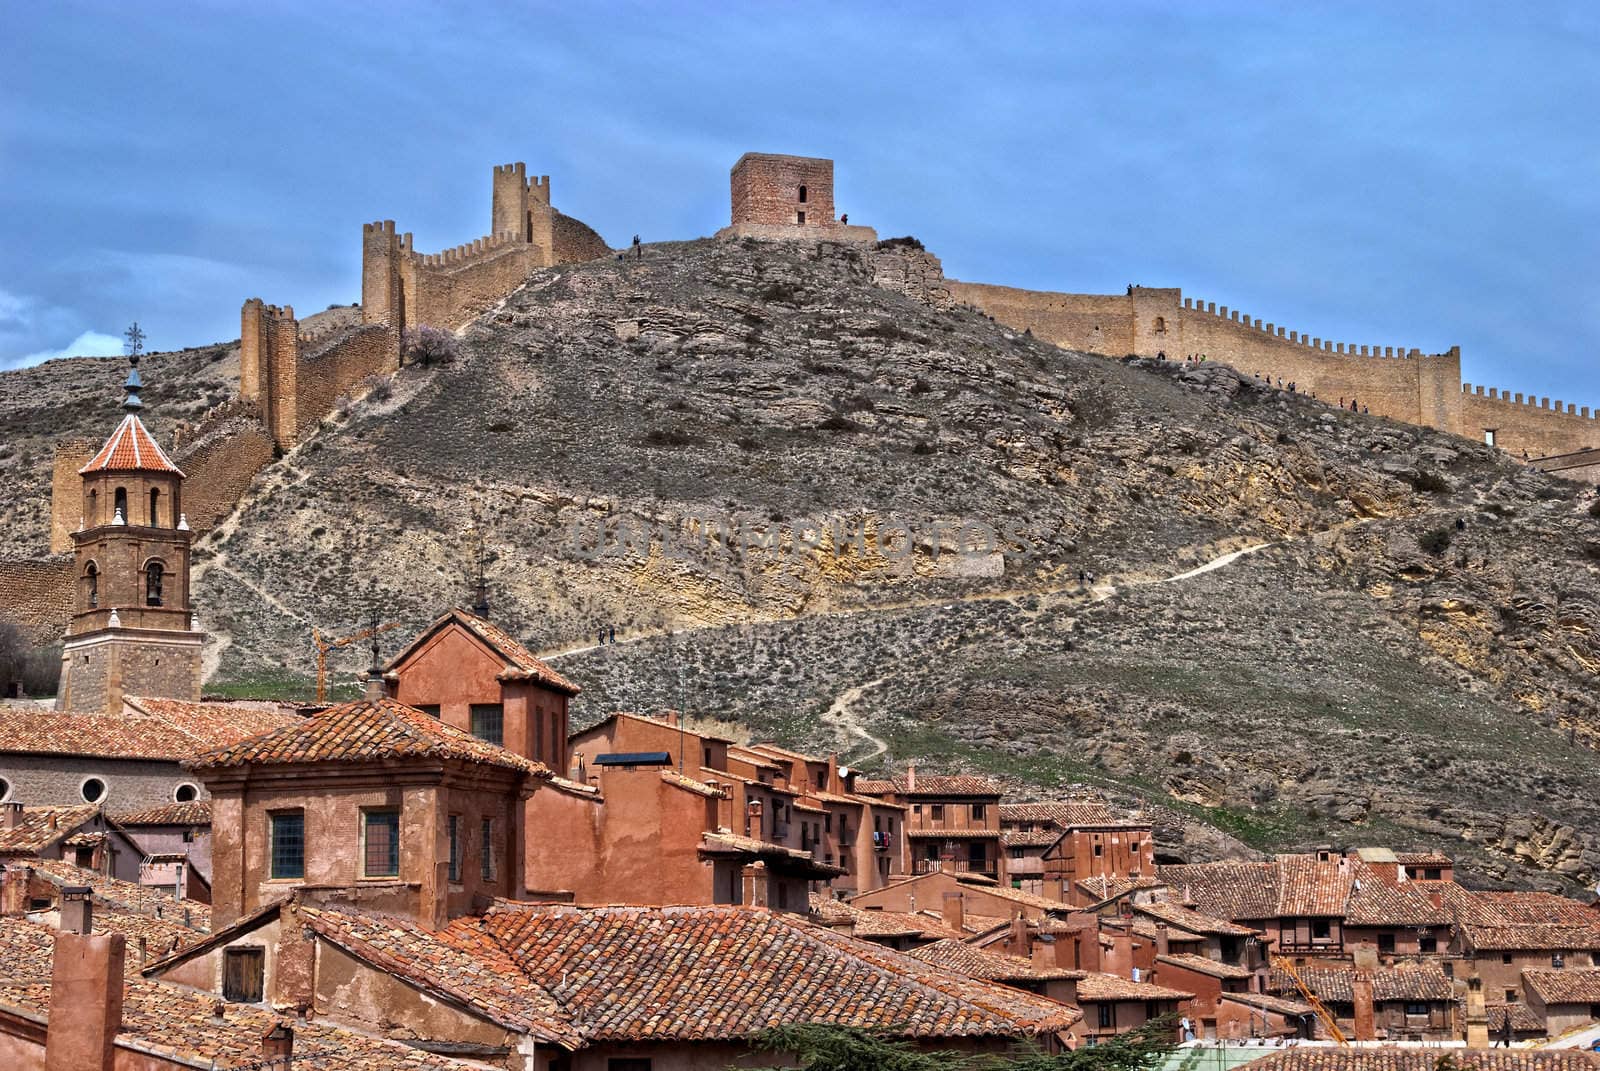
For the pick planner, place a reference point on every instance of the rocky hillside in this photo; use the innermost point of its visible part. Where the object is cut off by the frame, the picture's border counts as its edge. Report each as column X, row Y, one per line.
column 1369, row 670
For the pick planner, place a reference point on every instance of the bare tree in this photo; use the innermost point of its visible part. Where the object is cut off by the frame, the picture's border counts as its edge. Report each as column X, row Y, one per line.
column 428, row 345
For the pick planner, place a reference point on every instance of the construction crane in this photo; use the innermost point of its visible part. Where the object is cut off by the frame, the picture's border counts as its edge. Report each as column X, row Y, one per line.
column 1286, row 965
column 326, row 645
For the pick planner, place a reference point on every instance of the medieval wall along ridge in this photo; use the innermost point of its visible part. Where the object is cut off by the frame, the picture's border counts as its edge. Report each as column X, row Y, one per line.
column 331, row 366
column 36, row 593
column 219, row 460
column 1394, row 381
column 576, row 241
column 1535, row 426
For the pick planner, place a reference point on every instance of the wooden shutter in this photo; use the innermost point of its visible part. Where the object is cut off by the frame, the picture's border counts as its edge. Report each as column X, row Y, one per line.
column 242, row 974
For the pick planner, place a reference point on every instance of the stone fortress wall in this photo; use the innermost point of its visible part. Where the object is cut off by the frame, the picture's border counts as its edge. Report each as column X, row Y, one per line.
column 1400, row 382
column 290, row 380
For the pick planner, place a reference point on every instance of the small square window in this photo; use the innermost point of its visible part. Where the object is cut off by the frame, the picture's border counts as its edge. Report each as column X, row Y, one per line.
column 430, row 709
column 799, row 217
column 979, row 812
column 938, row 812
column 1505, row 957
column 489, row 723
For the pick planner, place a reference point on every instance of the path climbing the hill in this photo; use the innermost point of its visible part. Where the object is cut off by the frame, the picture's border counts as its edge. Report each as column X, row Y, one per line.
column 847, row 725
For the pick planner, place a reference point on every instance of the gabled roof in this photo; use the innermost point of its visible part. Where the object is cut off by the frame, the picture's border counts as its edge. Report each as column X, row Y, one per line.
column 868, row 923
column 1421, row 982
column 190, row 813
column 709, row 973
column 1066, row 814
column 930, row 785
column 170, row 730
column 1519, row 921
column 467, row 965
column 1193, row 921
column 131, row 448
column 957, row 955
column 369, row 730
column 1564, row 986
column 125, row 896
column 1202, row 965
column 1097, row 986
column 518, row 663
column 41, row 827
column 1267, row 1002
column 1298, row 886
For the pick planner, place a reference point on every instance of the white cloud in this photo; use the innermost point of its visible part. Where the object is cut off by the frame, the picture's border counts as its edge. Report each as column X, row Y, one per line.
column 88, row 344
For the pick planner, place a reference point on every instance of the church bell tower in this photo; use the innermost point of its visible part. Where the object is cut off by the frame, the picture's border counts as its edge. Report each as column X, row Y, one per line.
column 132, row 630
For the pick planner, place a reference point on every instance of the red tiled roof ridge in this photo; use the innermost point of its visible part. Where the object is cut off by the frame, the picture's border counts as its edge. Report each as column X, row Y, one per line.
column 520, row 663
column 131, row 448
column 187, row 813
column 362, row 731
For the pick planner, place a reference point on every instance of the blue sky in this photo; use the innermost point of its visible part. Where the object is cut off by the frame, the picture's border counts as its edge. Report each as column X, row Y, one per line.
column 1411, row 174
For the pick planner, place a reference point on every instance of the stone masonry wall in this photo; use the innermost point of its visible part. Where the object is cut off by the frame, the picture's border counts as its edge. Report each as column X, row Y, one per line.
column 219, row 466
column 328, row 371
column 765, row 190
column 56, row 780
column 1398, row 382
column 576, row 241
column 1094, row 323
column 449, row 289
column 66, row 491
column 1540, row 428
column 912, row 272
column 36, row 593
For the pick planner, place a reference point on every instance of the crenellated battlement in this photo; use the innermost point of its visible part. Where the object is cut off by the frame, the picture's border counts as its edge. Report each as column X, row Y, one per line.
column 1532, row 402
column 1296, row 338
column 468, row 251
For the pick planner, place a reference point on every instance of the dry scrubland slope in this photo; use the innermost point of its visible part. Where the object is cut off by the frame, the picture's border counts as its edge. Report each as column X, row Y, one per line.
column 1358, row 681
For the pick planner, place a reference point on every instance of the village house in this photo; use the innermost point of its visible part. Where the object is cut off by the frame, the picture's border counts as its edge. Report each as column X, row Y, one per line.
column 961, row 899
column 900, row 930
column 80, row 835
column 175, row 842
column 388, row 805
column 550, row 987
column 1408, row 1003
column 1502, row 935
column 952, row 821
column 1562, row 1000
column 472, row 674
column 1049, row 847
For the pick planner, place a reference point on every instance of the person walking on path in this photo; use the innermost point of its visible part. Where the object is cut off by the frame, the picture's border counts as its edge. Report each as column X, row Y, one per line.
column 612, row 638
column 601, row 637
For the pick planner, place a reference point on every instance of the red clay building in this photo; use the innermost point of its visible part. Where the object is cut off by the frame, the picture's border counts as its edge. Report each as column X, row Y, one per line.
column 405, row 813
column 472, row 674
column 952, row 821
column 1052, row 846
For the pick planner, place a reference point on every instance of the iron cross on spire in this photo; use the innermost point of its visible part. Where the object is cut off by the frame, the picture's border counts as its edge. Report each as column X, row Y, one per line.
column 135, row 342
column 135, row 346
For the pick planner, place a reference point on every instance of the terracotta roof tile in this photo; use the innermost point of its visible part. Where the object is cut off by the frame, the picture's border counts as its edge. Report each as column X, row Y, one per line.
column 1564, row 986
column 869, row 924
column 131, row 448
column 167, row 729
column 41, row 827
column 126, row 895
column 366, row 731
column 1098, row 986
column 1422, row 982
column 704, row 973
column 1520, row 921
column 1438, row 859
column 1013, row 838
column 215, row 723
column 1192, row 921
column 1016, row 896
column 189, row 813
column 519, row 663
column 1395, row 1059
column 466, row 965
column 952, row 834
column 931, row 785
column 1104, row 888
column 1203, row 965
column 1278, row 1005
column 956, row 955
column 1066, row 814
column 1298, row 886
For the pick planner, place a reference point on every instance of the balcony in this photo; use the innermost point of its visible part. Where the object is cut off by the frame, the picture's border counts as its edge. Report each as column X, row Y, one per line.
column 881, row 842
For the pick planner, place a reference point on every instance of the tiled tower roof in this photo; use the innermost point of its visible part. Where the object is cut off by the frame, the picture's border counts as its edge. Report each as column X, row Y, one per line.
column 131, row 448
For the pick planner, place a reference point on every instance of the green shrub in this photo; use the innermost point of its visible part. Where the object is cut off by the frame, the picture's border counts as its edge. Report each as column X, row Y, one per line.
column 1435, row 541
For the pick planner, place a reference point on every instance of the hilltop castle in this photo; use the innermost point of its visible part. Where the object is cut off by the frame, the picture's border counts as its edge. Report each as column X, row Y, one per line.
column 290, row 379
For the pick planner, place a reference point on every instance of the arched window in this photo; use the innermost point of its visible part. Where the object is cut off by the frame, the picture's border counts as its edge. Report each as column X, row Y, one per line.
column 94, row 508
column 91, row 584
column 1161, row 327
column 121, row 502
column 155, row 508
column 802, row 195
column 152, row 584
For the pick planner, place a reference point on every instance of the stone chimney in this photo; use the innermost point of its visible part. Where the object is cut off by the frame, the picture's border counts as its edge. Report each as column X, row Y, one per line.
column 77, row 909
column 1119, row 961
column 14, row 889
column 1163, row 939
column 10, row 815
column 1017, row 942
column 911, row 777
column 955, row 912
column 1477, row 1015
column 375, row 686
column 86, row 977
column 1361, row 997
column 277, row 1047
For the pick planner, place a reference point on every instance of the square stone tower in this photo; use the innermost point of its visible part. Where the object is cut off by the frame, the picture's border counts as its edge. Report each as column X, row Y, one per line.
column 787, row 198
column 783, row 191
